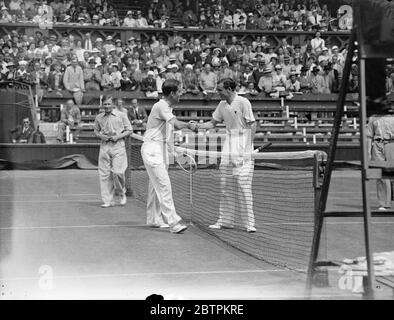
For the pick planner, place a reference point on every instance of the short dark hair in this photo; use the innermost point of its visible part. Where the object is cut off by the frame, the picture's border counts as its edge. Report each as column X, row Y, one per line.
column 228, row 83
column 106, row 97
column 170, row 85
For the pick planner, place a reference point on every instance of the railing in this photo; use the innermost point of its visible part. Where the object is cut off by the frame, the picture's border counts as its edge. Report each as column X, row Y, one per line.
column 339, row 38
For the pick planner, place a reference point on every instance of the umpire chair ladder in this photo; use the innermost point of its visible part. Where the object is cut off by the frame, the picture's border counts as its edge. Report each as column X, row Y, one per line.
column 369, row 170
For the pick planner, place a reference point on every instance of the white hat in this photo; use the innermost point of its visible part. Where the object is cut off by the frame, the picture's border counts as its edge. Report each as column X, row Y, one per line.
column 95, row 17
column 189, row 66
column 99, row 39
column 131, row 38
column 151, row 73
column 108, row 38
column 22, row 63
column 4, row 8
column 95, row 50
column 129, row 12
column 67, row 17
column 334, row 47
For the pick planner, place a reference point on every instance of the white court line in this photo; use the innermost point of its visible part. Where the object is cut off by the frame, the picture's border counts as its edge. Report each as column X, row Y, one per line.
column 144, row 225
column 139, row 274
column 76, row 227
column 49, row 201
column 48, row 195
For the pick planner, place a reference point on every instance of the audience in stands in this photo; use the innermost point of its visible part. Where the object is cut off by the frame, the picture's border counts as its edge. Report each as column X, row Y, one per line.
column 52, row 63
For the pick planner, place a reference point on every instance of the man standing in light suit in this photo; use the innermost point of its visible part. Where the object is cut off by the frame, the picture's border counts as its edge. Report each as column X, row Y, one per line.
column 112, row 127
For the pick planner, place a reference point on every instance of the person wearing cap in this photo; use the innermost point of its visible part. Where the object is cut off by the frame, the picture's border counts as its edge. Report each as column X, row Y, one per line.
column 258, row 72
column 92, row 76
column 305, row 80
column 73, row 81
column 140, row 21
column 330, row 80
column 157, row 153
column 237, row 169
column 109, row 45
column 22, row 74
column 112, row 127
column 148, row 85
column 70, row 116
column 286, row 66
column 189, row 80
column 265, row 84
column 292, row 84
column 11, row 74
column 317, row 82
column 278, row 78
column 175, row 74
column 129, row 20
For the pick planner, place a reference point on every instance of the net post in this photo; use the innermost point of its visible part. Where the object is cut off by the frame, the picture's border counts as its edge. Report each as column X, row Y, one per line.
column 129, row 190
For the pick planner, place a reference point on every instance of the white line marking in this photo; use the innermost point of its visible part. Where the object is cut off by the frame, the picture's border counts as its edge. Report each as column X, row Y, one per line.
column 48, row 195
column 144, row 225
column 139, row 274
column 50, row 201
column 76, row 227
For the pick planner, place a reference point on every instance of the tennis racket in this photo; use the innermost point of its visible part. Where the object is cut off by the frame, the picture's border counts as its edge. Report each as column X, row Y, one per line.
column 182, row 158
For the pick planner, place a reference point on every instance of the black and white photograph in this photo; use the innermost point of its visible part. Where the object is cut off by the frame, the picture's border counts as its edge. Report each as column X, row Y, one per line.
column 222, row 151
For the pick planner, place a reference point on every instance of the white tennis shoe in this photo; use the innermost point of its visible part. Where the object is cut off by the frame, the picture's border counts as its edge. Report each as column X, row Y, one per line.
column 123, row 200
column 107, row 205
column 251, row 229
column 219, row 226
column 178, row 228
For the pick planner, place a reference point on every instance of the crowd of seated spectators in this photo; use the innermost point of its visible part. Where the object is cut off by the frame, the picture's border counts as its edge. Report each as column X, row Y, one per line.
column 52, row 64
column 288, row 15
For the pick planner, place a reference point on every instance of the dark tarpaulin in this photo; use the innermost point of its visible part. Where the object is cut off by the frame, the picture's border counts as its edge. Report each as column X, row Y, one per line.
column 74, row 161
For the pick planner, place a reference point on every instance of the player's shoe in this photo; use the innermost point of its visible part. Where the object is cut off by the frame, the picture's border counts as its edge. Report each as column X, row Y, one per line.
column 382, row 209
column 123, row 200
column 250, row 229
column 219, row 226
column 106, row 205
column 162, row 226
column 216, row 226
column 178, row 228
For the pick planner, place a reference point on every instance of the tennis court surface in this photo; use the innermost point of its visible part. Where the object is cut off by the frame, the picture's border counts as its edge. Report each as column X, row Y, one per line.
column 57, row 243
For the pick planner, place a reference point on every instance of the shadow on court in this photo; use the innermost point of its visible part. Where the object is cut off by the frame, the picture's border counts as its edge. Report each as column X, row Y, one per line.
column 57, row 243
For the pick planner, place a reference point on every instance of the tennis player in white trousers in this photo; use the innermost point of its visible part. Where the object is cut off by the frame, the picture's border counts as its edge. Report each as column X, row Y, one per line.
column 112, row 127
column 157, row 151
column 236, row 171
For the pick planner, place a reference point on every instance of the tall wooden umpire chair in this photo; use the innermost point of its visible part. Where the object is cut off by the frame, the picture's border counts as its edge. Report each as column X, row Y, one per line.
column 372, row 50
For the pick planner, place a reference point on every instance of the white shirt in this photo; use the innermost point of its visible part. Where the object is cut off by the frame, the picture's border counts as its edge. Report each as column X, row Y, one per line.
column 237, row 117
column 158, row 127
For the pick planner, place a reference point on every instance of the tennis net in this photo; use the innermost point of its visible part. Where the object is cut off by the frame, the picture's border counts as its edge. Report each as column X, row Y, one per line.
column 283, row 200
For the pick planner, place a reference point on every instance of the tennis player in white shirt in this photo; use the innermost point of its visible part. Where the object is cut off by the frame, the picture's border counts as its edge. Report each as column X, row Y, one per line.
column 236, row 170
column 156, row 151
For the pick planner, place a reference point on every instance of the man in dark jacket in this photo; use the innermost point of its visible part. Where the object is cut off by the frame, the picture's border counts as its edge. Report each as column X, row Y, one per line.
column 22, row 133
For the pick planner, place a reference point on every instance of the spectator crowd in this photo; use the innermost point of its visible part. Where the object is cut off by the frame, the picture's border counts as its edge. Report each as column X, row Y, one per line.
column 54, row 63
column 290, row 15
